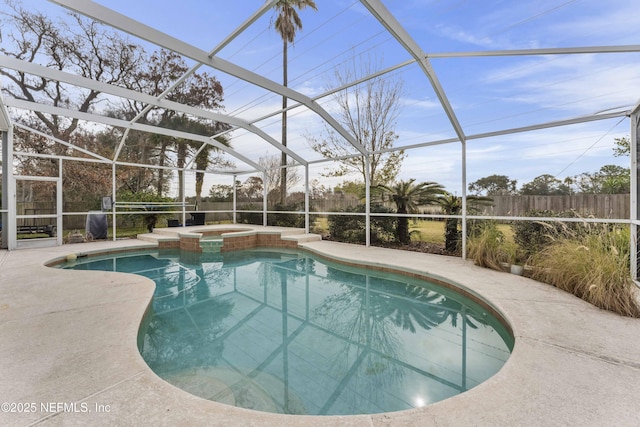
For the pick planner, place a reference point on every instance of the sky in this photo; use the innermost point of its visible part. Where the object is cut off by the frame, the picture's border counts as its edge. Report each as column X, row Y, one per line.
column 487, row 94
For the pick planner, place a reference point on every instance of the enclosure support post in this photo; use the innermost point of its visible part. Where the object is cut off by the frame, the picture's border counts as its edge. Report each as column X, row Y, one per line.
column 5, row 189
column 464, row 199
column 367, row 189
column 59, row 206
column 264, row 198
column 9, row 236
column 182, row 191
column 113, row 199
column 235, row 197
column 634, row 146
column 306, row 199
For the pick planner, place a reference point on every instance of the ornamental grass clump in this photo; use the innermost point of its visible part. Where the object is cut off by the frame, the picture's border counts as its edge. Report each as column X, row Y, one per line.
column 486, row 246
column 593, row 266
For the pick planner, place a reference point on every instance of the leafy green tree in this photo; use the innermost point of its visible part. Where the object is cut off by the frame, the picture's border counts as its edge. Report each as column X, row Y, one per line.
column 545, row 185
column 357, row 188
column 407, row 198
column 252, row 188
column 221, row 193
column 610, row 179
column 287, row 23
column 494, row 185
column 623, row 147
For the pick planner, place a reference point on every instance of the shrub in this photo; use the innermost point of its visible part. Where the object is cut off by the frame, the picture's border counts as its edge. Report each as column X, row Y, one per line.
column 254, row 218
column 149, row 219
column 534, row 236
column 594, row 266
column 274, row 219
column 351, row 228
column 287, row 219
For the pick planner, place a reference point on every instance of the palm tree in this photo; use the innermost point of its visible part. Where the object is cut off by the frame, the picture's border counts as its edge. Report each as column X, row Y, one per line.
column 452, row 205
column 407, row 197
column 287, row 23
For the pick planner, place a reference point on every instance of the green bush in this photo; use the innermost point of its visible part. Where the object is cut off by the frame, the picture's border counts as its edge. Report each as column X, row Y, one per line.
column 287, row 219
column 274, row 219
column 254, row 218
column 149, row 219
column 351, row 228
column 534, row 236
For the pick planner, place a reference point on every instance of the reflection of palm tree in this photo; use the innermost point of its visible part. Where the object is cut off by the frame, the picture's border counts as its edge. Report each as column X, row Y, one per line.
column 418, row 304
column 367, row 315
column 404, row 313
column 456, row 309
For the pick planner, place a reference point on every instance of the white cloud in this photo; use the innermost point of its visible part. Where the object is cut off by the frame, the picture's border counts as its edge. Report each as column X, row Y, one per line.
column 458, row 34
column 423, row 104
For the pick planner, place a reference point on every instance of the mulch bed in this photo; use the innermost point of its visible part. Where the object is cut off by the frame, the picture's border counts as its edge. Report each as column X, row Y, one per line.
column 428, row 248
column 424, row 247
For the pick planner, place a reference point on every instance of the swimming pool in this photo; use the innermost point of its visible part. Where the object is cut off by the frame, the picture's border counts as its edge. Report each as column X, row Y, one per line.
column 291, row 333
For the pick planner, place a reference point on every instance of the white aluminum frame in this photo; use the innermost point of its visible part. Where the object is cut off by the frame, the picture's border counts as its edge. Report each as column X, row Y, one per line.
column 209, row 59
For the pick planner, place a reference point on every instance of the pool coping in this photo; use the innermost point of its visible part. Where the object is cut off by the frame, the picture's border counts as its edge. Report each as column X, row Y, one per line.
column 69, row 342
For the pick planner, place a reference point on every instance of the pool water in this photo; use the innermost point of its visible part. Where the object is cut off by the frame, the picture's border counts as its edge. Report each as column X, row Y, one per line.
column 287, row 332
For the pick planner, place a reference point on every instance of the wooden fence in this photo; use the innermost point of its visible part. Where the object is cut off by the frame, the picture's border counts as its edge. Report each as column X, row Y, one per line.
column 610, row 206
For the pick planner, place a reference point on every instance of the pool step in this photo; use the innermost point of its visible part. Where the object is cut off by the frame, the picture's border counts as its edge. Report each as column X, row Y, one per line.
column 302, row 238
column 209, row 244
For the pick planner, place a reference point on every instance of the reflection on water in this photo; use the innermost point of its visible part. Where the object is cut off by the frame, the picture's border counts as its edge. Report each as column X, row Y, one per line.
column 286, row 332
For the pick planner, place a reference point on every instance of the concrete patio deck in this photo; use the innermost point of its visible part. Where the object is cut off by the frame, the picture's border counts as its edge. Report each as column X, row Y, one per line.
column 68, row 346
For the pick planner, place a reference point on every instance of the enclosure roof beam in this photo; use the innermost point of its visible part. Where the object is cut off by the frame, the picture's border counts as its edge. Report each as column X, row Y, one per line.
column 267, row 6
column 50, row 109
column 543, row 51
column 557, row 123
column 65, row 143
column 138, row 29
column 382, row 14
column 61, row 76
column 193, row 69
column 340, row 88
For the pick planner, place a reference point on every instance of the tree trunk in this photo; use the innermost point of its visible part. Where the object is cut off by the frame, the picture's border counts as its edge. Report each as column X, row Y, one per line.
column 202, row 162
column 403, row 227
column 199, row 183
column 451, row 235
column 182, row 155
column 161, row 158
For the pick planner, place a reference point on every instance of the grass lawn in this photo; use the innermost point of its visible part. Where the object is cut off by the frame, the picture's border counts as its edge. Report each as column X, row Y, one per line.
column 427, row 231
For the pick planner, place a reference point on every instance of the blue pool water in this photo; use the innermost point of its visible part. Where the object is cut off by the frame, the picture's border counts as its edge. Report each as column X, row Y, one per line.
column 287, row 332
